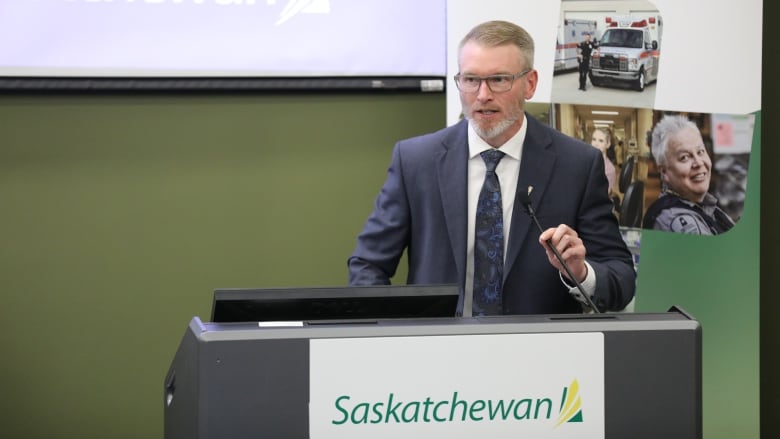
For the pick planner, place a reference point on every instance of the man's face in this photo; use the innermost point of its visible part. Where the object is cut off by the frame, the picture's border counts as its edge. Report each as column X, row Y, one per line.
column 687, row 169
column 496, row 117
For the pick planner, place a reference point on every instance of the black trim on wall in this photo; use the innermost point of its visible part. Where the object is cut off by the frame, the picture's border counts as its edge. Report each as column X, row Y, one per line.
column 432, row 84
column 770, row 234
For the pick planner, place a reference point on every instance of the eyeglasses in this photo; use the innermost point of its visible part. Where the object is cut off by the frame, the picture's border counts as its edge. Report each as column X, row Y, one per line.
column 496, row 83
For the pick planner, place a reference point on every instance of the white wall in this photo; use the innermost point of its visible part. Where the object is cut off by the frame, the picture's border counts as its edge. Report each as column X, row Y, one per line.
column 710, row 60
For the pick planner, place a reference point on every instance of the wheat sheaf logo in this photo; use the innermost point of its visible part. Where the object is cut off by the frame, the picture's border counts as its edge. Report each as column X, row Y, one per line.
column 571, row 405
column 295, row 7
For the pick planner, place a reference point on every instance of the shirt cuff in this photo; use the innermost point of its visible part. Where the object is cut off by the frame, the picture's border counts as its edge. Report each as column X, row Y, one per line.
column 589, row 285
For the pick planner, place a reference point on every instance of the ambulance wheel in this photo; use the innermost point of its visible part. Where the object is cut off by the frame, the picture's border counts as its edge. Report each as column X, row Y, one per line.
column 639, row 85
column 594, row 81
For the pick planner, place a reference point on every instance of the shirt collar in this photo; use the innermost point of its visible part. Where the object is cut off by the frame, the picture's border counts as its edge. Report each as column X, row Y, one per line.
column 513, row 147
column 709, row 199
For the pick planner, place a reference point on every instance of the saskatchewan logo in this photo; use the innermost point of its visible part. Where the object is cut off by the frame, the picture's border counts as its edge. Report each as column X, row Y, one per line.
column 456, row 408
column 571, row 404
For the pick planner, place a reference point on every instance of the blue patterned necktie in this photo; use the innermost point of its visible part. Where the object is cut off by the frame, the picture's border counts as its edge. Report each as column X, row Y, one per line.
column 489, row 241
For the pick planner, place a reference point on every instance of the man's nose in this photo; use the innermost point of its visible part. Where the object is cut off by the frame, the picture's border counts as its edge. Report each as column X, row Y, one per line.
column 484, row 92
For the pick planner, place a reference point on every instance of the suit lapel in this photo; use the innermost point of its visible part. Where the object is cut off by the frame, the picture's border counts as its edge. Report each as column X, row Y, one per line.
column 536, row 167
column 452, row 176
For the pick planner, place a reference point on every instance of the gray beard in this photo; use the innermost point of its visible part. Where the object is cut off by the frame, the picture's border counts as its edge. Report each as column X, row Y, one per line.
column 493, row 132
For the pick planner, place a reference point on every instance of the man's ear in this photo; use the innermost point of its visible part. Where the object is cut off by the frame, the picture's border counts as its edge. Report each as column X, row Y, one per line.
column 532, row 80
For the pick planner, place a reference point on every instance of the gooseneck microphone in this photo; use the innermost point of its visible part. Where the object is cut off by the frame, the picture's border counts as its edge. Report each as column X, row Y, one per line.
column 525, row 199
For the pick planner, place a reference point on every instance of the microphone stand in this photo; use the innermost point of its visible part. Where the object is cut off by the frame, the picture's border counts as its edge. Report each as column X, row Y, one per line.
column 526, row 200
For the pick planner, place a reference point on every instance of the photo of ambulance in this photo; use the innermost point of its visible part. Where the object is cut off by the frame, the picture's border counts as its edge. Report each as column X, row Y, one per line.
column 628, row 52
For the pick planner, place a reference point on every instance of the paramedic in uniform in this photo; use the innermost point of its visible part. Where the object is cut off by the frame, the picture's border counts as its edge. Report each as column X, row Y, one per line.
column 685, row 205
column 584, row 51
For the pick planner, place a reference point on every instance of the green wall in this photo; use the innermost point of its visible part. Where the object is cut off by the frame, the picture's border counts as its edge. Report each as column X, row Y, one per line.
column 121, row 214
column 716, row 279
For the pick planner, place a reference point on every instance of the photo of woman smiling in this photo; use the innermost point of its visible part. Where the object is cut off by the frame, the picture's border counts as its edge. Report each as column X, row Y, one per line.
column 685, row 204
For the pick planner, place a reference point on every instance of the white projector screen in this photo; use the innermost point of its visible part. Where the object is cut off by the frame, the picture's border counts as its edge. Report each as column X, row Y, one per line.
column 229, row 41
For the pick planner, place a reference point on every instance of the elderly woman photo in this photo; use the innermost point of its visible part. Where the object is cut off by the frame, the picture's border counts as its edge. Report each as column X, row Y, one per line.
column 685, row 204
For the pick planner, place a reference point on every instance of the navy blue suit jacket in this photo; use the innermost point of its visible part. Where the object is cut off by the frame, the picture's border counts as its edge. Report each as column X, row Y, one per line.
column 422, row 209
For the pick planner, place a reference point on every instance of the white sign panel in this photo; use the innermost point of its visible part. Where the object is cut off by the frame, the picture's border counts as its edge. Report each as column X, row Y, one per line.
column 460, row 386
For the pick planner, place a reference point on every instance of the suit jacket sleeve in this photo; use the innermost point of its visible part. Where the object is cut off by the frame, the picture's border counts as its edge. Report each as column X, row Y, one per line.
column 570, row 187
column 386, row 233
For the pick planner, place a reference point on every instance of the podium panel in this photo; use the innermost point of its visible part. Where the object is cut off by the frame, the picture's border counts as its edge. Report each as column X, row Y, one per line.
column 639, row 377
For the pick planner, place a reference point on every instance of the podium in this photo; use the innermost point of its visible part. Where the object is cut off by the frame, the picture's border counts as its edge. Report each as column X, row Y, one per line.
column 241, row 380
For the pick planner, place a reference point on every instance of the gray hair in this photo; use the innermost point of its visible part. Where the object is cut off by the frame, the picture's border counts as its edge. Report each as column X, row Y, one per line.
column 498, row 33
column 667, row 128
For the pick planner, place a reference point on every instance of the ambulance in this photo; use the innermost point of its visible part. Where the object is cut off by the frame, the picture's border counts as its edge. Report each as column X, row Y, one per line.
column 628, row 52
column 570, row 34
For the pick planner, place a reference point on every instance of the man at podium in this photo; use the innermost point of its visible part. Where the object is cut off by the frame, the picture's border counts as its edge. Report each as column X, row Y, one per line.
column 461, row 201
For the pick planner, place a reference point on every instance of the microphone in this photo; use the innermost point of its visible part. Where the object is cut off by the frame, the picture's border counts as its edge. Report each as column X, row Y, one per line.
column 525, row 199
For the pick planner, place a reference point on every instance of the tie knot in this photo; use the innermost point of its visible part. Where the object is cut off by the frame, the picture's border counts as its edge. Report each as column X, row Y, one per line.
column 492, row 157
